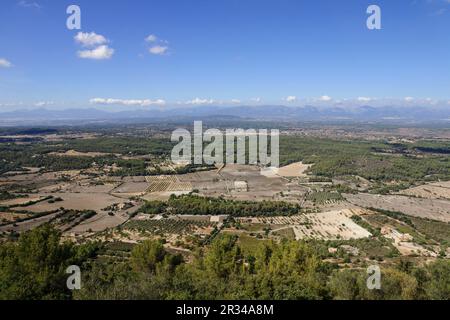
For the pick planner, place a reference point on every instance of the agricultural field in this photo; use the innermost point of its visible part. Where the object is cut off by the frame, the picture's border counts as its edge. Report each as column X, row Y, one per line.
column 416, row 207
column 167, row 184
column 177, row 232
column 331, row 225
column 435, row 190
column 297, row 169
column 323, row 197
column 132, row 188
column 10, row 217
column 121, row 192
column 224, row 150
column 73, row 153
column 164, row 227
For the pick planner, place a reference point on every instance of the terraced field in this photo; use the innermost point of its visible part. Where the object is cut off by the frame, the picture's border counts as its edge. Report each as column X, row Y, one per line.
column 167, row 226
column 435, row 209
column 436, row 190
column 322, row 197
column 332, row 225
column 167, row 183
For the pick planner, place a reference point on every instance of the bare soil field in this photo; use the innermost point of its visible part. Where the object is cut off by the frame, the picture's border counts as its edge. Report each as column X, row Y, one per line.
column 417, row 207
column 21, row 201
column 102, row 221
column 330, row 225
column 45, row 178
column 437, row 190
column 176, row 230
column 58, row 187
column 259, row 186
column 180, row 186
column 165, row 183
column 132, row 187
column 162, row 196
column 75, row 201
column 214, row 183
column 73, row 153
column 11, row 216
column 19, row 177
column 404, row 244
column 443, row 184
column 208, row 183
column 86, row 186
column 297, row 169
column 29, row 224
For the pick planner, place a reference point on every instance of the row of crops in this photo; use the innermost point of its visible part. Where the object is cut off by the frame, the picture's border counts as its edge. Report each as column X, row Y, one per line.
column 160, row 186
column 167, row 226
column 324, row 197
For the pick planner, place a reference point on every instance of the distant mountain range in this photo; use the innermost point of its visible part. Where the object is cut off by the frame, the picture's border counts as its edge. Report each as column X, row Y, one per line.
column 279, row 113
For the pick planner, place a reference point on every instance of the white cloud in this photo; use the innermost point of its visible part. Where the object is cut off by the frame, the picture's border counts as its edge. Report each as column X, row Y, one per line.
column 198, row 101
column 13, row 104
column 291, row 99
column 27, row 4
column 257, row 99
column 431, row 101
column 5, row 63
column 158, row 46
column 99, row 50
column 325, row 98
column 44, row 103
column 364, row 99
column 99, row 53
column 409, row 99
column 235, row 101
column 151, row 38
column 159, row 50
column 91, row 39
column 129, row 102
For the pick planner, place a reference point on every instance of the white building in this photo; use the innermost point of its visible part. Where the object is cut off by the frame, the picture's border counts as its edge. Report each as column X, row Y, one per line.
column 241, row 186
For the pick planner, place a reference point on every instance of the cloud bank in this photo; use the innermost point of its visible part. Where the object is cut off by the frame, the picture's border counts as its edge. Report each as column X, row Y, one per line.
column 128, row 102
column 96, row 44
column 5, row 63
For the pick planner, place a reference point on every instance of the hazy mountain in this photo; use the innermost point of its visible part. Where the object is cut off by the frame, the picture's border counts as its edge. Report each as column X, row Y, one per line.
column 280, row 113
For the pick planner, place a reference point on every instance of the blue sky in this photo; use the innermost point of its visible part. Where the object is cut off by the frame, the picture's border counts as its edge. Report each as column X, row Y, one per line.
column 223, row 52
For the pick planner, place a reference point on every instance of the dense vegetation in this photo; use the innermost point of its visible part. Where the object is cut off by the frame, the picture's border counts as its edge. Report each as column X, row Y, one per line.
column 197, row 205
column 423, row 229
column 5, row 195
column 371, row 160
column 224, row 267
column 34, row 268
column 166, row 226
column 321, row 197
column 112, row 150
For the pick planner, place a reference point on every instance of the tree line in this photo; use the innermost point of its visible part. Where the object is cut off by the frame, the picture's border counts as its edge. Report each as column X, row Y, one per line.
column 34, row 268
column 197, row 205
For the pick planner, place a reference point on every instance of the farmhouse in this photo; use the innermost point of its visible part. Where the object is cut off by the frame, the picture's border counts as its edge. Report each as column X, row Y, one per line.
column 218, row 219
column 241, row 186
